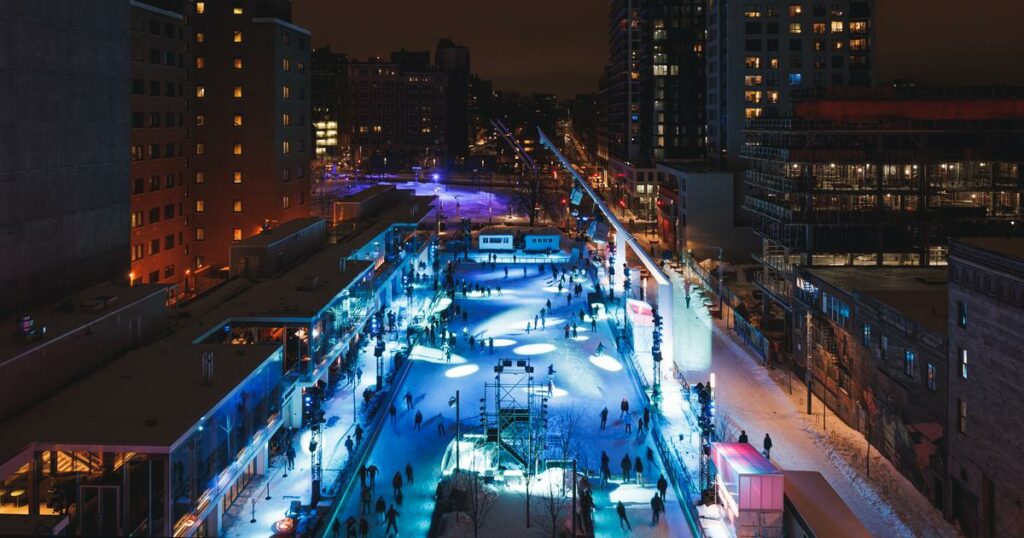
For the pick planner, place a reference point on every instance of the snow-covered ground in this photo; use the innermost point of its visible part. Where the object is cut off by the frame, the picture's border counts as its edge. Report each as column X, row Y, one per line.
column 755, row 399
column 584, row 383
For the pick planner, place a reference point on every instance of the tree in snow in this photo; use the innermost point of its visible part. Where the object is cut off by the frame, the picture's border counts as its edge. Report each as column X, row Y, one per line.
column 480, row 499
column 553, row 505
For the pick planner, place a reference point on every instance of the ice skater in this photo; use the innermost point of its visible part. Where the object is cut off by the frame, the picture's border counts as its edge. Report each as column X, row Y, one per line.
column 408, row 473
column 628, row 421
column 392, row 519
column 619, row 509
column 408, row 400
column 604, row 417
column 767, row 446
column 623, row 407
column 418, row 420
column 657, row 506
column 662, row 486
column 627, row 466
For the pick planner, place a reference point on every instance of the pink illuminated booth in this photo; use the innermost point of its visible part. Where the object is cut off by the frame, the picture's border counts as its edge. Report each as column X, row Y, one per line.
column 750, row 490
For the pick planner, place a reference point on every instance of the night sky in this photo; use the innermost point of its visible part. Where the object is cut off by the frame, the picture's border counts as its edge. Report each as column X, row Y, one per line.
column 560, row 46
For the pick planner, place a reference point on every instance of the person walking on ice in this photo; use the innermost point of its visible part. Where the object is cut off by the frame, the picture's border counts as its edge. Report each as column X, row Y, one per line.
column 628, row 421
column 767, row 446
column 604, row 417
column 623, row 408
column 621, row 510
column 392, row 518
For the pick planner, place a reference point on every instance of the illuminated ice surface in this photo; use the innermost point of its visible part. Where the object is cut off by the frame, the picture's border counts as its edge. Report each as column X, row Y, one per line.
column 579, row 384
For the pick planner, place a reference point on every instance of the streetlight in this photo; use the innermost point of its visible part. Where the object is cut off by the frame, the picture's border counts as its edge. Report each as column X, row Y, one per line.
column 454, row 402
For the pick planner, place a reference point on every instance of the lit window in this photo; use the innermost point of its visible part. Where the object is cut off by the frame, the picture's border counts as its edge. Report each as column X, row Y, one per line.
column 860, row 43
column 795, row 79
column 236, row 177
column 200, row 148
column 200, row 7
column 236, row 149
column 773, row 96
column 237, row 120
column 200, row 92
column 752, row 113
column 909, row 358
column 200, row 205
column 752, row 13
column 286, row 64
column 200, row 37
column 931, row 377
column 963, row 364
column 837, row 27
column 237, row 92
column 794, row 28
column 200, row 177
column 752, row 80
column 866, row 338
column 236, row 234
column 961, row 314
column 286, row 202
column 200, row 234
column 752, row 96
column 200, row 120
column 237, row 63
column 236, row 206
column 236, row 36
column 200, row 62
column 838, row 45
column 286, row 92
column 237, row 10
column 286, row 147
column 818, row 28
column 753, row 62
column 795, row 9
column 773, row 63
column 858, row 27
column 286, row 119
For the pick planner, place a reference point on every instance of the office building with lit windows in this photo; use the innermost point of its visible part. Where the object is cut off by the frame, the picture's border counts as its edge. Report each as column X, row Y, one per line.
column 64, row 149
column 160, row 238
column 250, row 133
column 759, row 51
column 880, row 177
column 399, row 112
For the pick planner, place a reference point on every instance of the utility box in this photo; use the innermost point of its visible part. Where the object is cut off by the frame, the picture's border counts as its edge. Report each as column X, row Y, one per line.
column 750, row 489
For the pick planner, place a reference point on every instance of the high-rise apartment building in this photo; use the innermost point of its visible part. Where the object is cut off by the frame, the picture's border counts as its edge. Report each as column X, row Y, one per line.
column 160, row 238
column 655, row 93
column 64, row 153
column 250, row 132
column 330, row 103
column 759, row 51
column 398, row 112
column 454, row 60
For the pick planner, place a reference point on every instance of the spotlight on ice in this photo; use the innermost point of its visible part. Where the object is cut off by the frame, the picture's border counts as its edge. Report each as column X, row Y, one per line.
column 461, row 371
column 503, row 342
column 606, row 362
column 534, row 349
column 434, row 355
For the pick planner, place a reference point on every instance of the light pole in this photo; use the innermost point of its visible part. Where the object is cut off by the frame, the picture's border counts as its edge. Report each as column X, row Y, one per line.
column 454, row 401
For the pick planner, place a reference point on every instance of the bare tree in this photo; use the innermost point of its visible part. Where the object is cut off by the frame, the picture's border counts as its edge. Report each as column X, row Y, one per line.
column 480, row 499
column 568, row 432
column 552, row 504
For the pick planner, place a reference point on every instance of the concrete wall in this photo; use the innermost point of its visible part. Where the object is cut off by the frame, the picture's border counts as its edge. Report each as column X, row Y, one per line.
column 64, row 137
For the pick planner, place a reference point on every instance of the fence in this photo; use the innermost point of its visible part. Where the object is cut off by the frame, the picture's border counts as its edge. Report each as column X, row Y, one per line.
column 750, row 335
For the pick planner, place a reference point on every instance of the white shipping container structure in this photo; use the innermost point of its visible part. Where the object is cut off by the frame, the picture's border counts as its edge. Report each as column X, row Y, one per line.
column 750, row 490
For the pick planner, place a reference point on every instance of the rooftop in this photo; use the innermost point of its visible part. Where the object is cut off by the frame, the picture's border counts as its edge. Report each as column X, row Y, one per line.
column 73, row 313
column 1010, row 247
column 367, row 193
column 500, row 229
column 820, row 506
column 919, row 293
column 277, row 233
column 149, row 397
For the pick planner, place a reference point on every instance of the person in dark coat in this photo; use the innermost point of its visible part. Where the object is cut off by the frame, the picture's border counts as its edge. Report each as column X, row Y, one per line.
column 371, row 472
column 626, row 465
column 743, row 437
column 767, row 446
column 604, row 417
column 621, row 510
column 392, row 519
column 408, row 473
column 397, row 482
column 623, row 408
column 662, row 486
column 379, row 509
column 657, row 507
column 364, row 527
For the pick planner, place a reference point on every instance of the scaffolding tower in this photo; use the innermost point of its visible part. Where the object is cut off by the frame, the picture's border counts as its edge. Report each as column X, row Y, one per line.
column 517, row 422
